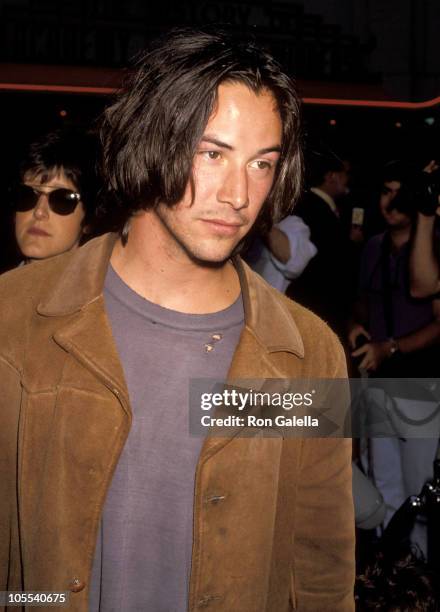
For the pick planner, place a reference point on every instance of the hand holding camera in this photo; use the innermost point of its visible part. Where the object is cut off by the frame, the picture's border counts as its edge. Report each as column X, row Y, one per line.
column 427, row 190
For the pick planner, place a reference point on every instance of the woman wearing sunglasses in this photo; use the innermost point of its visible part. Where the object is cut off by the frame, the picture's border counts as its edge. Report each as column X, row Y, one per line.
column 54, row 200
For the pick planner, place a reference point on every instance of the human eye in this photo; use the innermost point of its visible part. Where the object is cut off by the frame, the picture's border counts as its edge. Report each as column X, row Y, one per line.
column 263, row 165
column 210, row 154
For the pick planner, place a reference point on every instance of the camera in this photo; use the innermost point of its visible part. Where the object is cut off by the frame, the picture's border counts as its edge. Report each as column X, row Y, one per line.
column 419, row 193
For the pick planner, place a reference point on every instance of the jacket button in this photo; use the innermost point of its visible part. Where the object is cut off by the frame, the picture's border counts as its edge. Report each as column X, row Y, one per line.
column 214, row 499
column 76, row 585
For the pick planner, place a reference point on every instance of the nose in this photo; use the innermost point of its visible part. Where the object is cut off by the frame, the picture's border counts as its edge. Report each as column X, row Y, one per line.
column 234, row 188
column 41, row 210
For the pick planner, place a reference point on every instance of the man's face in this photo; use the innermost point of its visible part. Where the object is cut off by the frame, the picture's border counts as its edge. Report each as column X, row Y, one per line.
column 233, row 170
column 392, row 216
column 338, row 182
column 42, row 233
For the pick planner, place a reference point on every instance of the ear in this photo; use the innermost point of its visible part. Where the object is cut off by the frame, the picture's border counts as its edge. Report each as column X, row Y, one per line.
column 329, row 176
column 86, row 229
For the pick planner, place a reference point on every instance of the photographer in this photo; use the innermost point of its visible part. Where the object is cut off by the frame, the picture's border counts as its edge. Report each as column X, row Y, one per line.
column 424, row 261
column 401, row 330
column 401, row 336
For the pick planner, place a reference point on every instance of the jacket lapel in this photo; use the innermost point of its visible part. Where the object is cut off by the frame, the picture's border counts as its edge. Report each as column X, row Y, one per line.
column 269, row 329
column 76, row 296
column 88, row 337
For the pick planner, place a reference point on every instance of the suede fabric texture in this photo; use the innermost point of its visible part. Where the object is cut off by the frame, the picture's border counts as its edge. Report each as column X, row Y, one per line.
column 273, row 517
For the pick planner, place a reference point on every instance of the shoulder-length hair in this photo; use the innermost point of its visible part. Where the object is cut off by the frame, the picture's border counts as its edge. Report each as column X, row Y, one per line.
column 151, row 132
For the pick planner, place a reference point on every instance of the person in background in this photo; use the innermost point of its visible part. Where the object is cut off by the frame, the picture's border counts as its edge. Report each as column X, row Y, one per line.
column 284, row 253
column 324, row 286
column 401, row 337
column 424, row 260
column 54, row 198
column 386, row 314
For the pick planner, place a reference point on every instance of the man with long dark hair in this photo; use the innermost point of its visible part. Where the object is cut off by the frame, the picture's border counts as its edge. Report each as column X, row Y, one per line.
column 116, row 502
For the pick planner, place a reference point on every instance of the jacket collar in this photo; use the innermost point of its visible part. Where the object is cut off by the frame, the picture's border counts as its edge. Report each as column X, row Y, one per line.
column 266, row 314
column 82, row 280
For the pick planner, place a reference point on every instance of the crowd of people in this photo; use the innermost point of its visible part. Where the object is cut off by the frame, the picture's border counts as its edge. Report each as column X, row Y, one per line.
column 377, row 291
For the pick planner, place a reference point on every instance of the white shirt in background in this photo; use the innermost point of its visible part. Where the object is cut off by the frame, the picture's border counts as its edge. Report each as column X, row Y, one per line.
column 302, row 250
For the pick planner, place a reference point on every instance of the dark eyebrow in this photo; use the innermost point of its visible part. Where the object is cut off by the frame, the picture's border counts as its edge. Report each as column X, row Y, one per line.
column 219, row 143
column 225, row 145
column 274, row 149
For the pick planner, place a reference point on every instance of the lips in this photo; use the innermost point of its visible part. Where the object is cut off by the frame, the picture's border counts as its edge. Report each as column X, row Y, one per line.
column 220, row 226
column 221, row 221
column 37, row 231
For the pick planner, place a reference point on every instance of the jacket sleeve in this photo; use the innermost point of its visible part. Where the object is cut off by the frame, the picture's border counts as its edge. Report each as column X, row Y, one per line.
column 323, row 543
column 10, row 398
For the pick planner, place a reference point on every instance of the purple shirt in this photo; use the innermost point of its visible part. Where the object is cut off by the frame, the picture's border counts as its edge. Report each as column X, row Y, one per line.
column 143, row 553
column 408, row 314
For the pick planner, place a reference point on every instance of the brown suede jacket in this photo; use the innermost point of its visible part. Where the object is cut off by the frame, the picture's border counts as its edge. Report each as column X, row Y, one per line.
column 273, row 517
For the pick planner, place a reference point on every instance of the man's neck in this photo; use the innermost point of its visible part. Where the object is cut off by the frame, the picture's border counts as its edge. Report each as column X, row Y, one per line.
column 399, row 237
column 172, row 279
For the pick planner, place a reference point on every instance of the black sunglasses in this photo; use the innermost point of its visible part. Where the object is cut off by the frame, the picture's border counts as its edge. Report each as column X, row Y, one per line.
column 61, row 201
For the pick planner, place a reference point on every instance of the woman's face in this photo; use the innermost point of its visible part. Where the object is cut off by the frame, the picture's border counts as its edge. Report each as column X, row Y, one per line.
column 41, row 232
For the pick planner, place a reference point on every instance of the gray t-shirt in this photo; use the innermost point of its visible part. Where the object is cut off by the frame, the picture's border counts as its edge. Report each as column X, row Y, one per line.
column 143, row 553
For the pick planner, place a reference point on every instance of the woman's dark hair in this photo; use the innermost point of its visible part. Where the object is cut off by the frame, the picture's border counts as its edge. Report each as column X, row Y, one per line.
column 72, row 151
column 151, row 132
